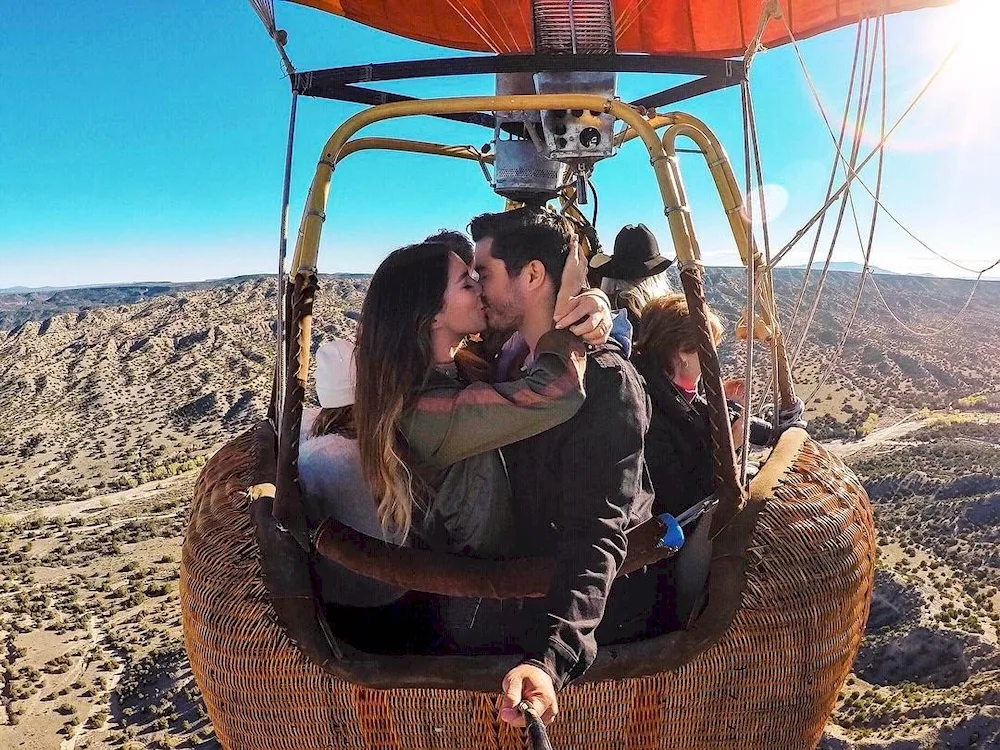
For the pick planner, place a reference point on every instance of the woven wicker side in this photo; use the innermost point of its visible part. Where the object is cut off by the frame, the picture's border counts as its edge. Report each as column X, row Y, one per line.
column 769, row 682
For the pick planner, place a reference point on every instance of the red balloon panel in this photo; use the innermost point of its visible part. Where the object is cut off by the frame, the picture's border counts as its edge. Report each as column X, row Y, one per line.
column 706, row 28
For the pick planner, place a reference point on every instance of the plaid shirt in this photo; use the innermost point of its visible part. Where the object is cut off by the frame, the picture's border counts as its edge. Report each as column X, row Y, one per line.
column 454, row 430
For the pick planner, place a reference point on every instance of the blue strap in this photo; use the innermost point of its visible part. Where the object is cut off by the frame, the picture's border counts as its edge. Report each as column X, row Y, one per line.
column 673, row 534
column 621, row 331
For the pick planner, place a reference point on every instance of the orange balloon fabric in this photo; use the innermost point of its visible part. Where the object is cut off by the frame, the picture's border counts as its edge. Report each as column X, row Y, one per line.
column 703, row 28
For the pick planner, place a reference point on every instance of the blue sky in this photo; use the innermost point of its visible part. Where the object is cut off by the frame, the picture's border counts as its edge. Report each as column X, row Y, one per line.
column 145, row 141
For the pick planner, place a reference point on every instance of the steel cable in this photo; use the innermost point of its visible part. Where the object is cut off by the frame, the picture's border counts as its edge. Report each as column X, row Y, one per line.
column 881, row 34
column 864, row 100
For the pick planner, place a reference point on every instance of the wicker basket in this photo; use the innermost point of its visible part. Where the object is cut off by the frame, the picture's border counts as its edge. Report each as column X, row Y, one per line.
column 789, row 593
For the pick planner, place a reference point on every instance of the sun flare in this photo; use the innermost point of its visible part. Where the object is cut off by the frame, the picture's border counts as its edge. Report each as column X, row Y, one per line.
column 976, row 26
column 966, row 94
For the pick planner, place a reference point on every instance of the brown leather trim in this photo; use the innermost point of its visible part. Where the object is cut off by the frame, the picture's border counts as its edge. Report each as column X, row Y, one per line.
column 782, row 456
column 456, row 575
column 288, row 496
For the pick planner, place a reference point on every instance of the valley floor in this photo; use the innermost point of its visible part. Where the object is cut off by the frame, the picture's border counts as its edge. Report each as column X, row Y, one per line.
column 91, row 653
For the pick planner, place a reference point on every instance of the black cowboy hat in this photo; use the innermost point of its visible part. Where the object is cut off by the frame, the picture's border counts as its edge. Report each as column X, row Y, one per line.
column 636, row 256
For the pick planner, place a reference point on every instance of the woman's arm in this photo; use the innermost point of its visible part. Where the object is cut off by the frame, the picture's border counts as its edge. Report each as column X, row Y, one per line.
column 446, row 424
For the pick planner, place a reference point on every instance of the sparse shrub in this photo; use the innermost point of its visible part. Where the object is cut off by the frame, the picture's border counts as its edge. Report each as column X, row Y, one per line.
column 869, row 425
column 96, row 720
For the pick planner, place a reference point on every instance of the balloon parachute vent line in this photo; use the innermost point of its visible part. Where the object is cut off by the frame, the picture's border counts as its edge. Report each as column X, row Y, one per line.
column 673, row 534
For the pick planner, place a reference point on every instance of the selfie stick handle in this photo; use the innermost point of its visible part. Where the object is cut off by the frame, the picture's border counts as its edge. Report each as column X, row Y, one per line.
column 537, row 735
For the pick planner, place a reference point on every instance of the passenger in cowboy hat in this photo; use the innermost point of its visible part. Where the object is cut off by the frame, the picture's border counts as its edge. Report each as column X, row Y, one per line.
column 635, row 274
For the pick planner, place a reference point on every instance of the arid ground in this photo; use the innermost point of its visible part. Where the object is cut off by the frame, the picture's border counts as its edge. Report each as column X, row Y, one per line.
column 112, row 399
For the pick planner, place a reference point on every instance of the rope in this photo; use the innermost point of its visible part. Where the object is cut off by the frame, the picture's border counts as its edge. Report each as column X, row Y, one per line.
column 751, row 295
column 769, row 9
column 279, row 364
column 846, row 185
column 927, row 334
column 751, row 143
column 765, row 233
column 864, row 99
column 880, row 35
column 857, row 178
column 265, row 12
column 878, row 205
column 833, row 174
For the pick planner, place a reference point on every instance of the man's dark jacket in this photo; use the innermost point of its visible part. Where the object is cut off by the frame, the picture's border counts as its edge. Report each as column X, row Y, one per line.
column 577, row 489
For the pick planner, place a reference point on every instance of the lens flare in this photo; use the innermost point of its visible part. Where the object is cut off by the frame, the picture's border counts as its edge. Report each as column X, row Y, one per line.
column 964, row 101
column 775, row 200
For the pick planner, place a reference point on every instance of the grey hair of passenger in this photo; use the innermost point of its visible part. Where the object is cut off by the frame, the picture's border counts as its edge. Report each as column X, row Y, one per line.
column 637, row 293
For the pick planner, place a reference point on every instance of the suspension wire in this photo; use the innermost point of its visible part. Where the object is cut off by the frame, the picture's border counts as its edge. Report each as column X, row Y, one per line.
column 524, row 20
column 773, row 386
column 835, row 168
column 280, row 364
column 839, row 151
column 864, row 99
column 878, row 202
column 265, row 12
column 854, row 173
column 751, row 287
column 947, row 326
column 473, row 24
column 770, row 9
column 923, row 244
column 506, row 49
column 622, row 25
column 510, row 32
column 835, row 359
column 751, row 145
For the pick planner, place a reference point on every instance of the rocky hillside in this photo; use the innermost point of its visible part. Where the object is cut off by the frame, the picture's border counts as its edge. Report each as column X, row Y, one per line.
column 113, row 391
column 928, row 673
column 108, row 398
column 102, row 395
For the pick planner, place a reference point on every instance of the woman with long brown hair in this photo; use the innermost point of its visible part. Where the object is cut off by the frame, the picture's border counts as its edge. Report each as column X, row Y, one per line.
column 428, row 435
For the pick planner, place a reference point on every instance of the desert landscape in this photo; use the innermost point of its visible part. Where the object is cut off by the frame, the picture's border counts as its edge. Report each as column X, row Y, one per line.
column 112, row 398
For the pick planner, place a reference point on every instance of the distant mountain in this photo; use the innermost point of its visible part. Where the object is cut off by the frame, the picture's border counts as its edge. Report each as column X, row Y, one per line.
column 33, row 289
column 852, row 267
column 18, row 307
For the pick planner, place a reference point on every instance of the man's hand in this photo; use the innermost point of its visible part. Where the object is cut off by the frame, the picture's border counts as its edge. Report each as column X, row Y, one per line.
column 735, row 389
column 589, row 317
column 574, row 277
column 526, row 682
column 737, row 430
